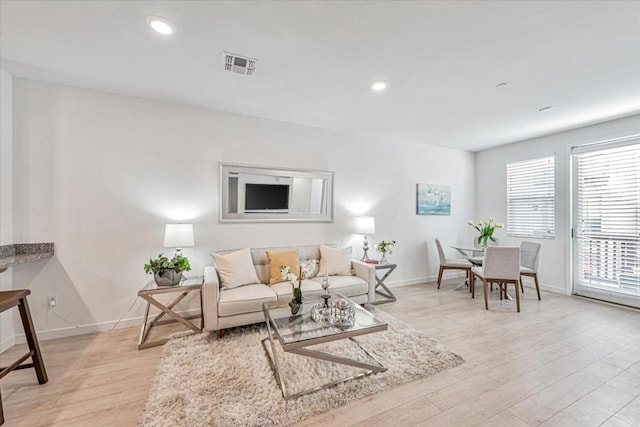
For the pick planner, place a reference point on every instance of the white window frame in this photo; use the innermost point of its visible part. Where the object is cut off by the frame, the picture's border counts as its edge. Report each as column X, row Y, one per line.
column 615, row 258
column 531, row 202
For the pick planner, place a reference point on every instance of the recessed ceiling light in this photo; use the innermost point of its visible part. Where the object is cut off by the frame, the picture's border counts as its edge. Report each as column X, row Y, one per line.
column 502, row 84
column 379, row 85
column 545, row 109
column 160, row 25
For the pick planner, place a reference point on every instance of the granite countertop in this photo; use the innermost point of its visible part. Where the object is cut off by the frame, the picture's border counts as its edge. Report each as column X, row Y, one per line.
column 22, row 253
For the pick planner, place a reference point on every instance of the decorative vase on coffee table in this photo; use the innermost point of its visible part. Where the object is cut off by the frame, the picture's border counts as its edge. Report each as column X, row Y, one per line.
column 296, row 302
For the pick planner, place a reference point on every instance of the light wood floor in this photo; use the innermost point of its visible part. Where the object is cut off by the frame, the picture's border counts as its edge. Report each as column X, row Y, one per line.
column 560, row 362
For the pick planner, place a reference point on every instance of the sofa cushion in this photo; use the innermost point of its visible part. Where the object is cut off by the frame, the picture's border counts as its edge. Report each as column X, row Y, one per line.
column 312, row 289
column 346, row 285
column 335, row 261
column 280, row 259
column 236, row 269
column 244, row 299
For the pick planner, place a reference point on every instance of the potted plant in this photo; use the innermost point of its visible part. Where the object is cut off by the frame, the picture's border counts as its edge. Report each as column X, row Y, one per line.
column 167, row 272
column 486, row 229
column 385, row 248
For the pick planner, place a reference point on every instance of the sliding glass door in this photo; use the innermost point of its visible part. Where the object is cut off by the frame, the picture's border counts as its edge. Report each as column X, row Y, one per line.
column 606, row 221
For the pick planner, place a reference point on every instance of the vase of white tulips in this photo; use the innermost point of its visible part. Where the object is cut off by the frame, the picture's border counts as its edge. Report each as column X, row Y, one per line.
column 486, row 229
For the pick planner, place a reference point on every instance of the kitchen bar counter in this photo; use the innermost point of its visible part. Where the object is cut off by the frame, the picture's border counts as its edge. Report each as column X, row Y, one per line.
column 22, row 253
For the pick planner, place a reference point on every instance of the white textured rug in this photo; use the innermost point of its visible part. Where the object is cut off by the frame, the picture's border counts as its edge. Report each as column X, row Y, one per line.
column 206, row 381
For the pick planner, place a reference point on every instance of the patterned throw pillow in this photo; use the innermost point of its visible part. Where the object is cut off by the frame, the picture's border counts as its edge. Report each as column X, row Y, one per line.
column 309, row 268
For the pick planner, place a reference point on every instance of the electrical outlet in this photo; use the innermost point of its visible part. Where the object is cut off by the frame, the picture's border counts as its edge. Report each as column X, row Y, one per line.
column 53, row 301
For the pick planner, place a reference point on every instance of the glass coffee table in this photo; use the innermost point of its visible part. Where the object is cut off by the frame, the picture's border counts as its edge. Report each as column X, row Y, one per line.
column 296, row 334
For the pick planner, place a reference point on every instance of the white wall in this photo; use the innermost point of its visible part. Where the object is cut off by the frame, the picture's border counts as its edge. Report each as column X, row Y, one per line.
column 6, row 193
column 491, row 189
column 100, row 175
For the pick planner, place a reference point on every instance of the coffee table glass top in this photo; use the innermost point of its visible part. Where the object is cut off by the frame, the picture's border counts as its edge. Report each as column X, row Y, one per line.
column 301, row 328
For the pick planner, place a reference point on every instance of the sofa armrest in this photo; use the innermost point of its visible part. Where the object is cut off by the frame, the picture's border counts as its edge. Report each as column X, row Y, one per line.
column 210, row 297
column 367, row 272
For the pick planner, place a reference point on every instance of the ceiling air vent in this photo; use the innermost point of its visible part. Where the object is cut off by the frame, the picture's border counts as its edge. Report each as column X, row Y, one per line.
column 238, row 64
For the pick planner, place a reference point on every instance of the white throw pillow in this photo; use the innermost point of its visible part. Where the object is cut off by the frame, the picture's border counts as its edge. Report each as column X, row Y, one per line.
column 236, row 269
column 335, row 261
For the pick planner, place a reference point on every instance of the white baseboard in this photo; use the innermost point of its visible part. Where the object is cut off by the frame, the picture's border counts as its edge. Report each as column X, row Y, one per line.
column 552, row 288
column 454, row 275
column 7, row 343
column 425, row 279
column 49, row 334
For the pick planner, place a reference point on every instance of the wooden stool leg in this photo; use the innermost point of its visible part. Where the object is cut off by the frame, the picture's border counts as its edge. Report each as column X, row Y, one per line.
column 517, row 296
column 32, row 340
column 1, row 410
column 440, row 276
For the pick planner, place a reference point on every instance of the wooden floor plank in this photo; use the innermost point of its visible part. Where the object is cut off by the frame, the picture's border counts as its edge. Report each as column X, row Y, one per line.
column 561, row 361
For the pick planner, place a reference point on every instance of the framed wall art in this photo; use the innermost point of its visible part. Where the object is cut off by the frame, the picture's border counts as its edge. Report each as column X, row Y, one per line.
column 433, row 199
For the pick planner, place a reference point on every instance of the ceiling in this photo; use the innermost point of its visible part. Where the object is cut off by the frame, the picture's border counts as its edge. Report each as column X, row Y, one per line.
column 317, row 60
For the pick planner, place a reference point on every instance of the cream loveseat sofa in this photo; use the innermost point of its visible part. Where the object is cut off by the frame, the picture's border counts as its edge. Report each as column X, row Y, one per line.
column 226, row 308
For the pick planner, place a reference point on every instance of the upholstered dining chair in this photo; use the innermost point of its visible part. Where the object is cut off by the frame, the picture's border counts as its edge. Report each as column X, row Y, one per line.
column 529, row 260
column 502, row 266
column 451, row 264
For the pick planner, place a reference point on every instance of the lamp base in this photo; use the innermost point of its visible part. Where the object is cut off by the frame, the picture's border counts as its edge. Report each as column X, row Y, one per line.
column 365, row 248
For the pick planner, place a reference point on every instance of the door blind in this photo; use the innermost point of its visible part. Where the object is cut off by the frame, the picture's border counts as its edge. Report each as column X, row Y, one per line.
column 531, row 198
column 607, row 219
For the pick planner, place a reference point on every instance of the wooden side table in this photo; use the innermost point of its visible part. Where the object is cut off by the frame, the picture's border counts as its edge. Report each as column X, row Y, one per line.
column 386, row 292
column 150, row 291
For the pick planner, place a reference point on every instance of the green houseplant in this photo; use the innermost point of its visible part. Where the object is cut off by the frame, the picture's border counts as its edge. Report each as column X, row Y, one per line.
column 486, row 229
column 167, row 272
column 385, row 248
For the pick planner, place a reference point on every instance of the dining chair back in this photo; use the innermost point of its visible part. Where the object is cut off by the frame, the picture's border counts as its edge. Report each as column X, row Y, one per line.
column 451, row 264
column 502, row 266
column 530, row 259
column 502, row 262
column 443, row 259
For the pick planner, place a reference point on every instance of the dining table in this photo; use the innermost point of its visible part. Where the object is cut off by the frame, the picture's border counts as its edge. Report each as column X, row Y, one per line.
column 475, row 260
column 470, row 254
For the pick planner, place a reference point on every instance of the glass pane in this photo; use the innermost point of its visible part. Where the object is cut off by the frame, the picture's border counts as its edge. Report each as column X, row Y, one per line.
column 301, row 327
column 607, row 223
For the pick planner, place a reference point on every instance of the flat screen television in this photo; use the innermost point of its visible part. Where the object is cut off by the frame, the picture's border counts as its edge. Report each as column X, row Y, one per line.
column 266, row 197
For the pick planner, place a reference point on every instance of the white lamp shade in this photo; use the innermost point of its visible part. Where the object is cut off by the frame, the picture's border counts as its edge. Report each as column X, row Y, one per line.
column 366, row 225
column 178, row 236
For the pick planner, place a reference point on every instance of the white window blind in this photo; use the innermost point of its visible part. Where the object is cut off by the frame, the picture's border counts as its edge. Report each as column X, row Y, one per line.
column 531, row 198
column 607, row 219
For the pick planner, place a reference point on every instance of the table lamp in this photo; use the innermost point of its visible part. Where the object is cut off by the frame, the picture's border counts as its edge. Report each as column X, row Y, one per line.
column 178, row 236
column 365, row 225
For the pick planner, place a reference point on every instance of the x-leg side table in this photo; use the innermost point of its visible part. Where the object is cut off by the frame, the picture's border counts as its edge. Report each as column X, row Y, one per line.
column 386, row 292
column 149, row 292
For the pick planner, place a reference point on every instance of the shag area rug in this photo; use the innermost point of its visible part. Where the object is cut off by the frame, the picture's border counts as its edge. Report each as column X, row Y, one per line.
column 203, row 380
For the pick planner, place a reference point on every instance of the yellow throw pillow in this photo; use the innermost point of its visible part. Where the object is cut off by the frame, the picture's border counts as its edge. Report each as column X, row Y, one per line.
column 278, row 259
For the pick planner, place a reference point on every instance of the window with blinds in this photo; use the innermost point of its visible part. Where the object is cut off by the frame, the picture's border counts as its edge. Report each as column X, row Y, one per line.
column 607, row 218
column 531, row 198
